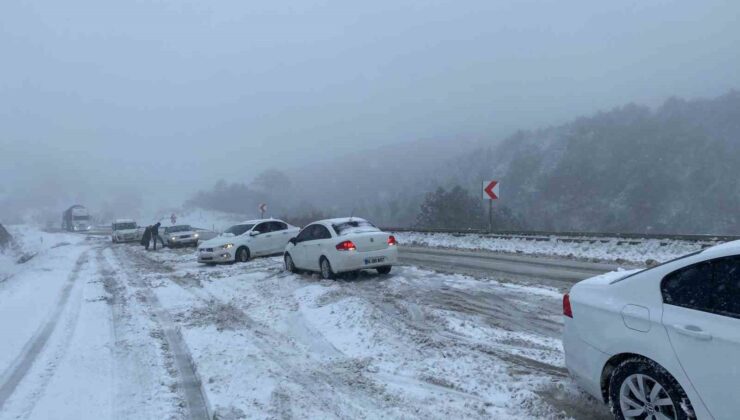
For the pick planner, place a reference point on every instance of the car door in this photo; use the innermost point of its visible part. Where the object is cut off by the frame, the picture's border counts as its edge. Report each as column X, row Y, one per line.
column 298, row 252
column 280, row 236
column 320, row 237
column 701, row 313
column 261, row 244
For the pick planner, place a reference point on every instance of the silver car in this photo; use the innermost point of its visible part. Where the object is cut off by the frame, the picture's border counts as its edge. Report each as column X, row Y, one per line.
column 180, row 235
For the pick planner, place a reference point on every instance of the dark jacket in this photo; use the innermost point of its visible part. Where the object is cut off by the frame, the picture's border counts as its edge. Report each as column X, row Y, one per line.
column 147, row 236
column 155, row 229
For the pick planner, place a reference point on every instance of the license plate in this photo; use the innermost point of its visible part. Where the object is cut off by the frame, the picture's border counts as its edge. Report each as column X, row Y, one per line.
column 374, row 260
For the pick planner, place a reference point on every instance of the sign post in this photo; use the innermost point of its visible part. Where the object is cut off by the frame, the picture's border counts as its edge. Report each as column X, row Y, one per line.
column 490, row 193
column 262, row 208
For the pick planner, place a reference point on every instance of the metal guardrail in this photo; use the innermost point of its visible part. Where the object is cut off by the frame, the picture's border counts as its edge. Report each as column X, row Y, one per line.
column 575, row 236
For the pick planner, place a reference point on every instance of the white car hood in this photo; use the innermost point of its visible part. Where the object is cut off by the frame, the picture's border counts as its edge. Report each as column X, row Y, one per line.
column 126, row 231
column 217, row 241
column 184, row 232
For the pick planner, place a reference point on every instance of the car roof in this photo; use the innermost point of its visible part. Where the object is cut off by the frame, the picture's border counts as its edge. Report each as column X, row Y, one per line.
column 339, row 220
column 723, row 249
column 255, row 221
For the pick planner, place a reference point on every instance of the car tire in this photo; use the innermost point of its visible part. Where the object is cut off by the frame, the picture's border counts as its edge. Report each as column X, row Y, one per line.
column 325, row 269
column 384, row 270
column 289, row 264
column 242, row 255
column 633, row 393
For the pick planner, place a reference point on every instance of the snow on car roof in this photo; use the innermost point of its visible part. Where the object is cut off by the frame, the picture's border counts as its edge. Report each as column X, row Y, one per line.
column 342, row 220
column 255, row 221
column 724, row 248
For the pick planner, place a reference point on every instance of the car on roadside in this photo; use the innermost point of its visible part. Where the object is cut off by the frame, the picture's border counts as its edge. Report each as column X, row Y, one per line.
column 341, row 246
column 245, row 240
column 125, row 230
column 660, row 343
column 180, row 235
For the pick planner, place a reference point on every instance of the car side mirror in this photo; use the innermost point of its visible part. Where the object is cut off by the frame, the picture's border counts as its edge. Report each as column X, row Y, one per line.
column 254, row 233
column 293, row 241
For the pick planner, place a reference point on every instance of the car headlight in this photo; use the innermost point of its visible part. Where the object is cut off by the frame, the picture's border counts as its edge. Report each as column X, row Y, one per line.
column 172, row 238
column 227, row 246
column 195, row 235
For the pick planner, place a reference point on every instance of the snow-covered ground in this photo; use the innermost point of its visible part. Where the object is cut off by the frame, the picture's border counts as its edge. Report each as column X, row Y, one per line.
column 601, row 249
column 99, row 331
column 30, row 242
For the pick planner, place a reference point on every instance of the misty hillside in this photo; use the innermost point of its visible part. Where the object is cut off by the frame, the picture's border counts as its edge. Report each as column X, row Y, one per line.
column 673, row 169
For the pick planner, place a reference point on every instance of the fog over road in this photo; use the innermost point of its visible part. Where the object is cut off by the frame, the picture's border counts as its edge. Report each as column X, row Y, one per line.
column 154, row 334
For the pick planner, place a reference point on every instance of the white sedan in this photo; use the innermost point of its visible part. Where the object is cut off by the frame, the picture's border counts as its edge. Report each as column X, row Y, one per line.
column 245, row 240
column 345, row 245
column 661, row 343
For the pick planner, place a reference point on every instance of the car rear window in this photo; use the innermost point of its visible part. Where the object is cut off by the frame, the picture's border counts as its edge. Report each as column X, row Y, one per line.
column 656, row 266
column 354, row 226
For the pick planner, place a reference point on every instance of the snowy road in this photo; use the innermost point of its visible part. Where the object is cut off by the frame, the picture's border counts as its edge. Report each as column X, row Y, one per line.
column 103, row 331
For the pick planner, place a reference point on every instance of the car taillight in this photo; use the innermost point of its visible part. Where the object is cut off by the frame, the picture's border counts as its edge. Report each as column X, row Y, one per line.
column 346, row 246
column 567, row 310
column 392, row 240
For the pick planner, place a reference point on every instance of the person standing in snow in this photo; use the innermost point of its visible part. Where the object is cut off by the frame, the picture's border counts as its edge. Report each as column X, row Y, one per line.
column 146, row 237
column 155, row 235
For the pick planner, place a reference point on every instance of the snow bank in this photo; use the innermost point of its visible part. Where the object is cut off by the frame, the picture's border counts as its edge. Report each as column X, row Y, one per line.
column 30, row 241
column 602, row 249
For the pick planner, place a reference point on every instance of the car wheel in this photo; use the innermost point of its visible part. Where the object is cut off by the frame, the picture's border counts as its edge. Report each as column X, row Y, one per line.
column 289, row 265
column 642, row 389
column 326, row 271
column 384, row 270
column 242, row 254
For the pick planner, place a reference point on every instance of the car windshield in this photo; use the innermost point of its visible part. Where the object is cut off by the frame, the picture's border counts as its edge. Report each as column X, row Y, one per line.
column 354, row 226
column 237, row 230
column 122, row 226
column 81, row 217
column 180, row 228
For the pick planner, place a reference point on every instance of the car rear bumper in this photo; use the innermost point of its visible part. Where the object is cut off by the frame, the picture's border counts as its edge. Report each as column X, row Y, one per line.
column 353, row 260
column 584, row 362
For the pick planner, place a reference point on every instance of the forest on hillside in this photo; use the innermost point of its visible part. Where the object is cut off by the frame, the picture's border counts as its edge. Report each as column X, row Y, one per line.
column 672, row 169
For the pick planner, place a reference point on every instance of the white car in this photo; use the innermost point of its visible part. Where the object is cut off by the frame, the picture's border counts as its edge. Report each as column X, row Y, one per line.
column 180, row 235
column 345, row 245
column 125, row 230
column 248, row 239
column 661, row 343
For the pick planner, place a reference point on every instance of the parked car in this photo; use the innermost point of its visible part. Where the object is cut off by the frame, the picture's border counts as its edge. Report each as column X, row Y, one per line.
column 125, row 230
column 180, row 235
column 662, row 342
column 345, row 245
column 248, row 239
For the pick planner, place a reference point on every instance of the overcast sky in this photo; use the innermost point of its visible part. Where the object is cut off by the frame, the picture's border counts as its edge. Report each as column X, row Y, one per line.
column 168, row 96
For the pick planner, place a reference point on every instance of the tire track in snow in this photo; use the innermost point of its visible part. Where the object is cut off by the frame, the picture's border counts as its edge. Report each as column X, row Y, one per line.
column 15, row 374
column 325, row 383
column 187, row 377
